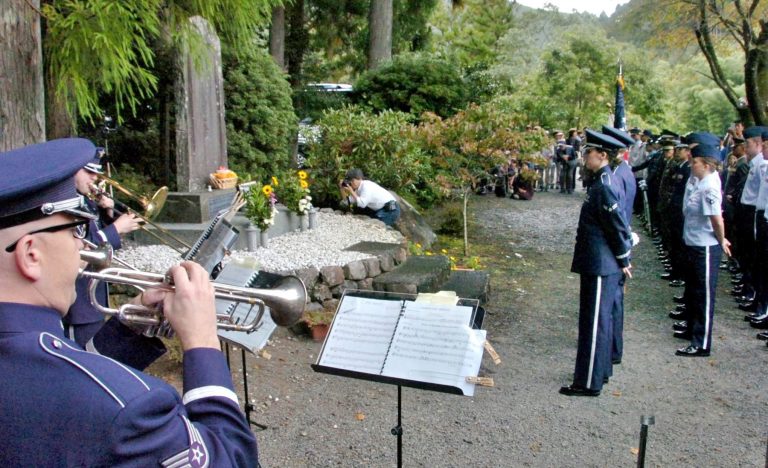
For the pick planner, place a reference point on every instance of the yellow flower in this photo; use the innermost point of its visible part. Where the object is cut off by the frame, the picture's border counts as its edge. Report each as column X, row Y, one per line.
column 267, row 189
column 274, row 181
column 304, row 184
column 428, row 253
column 418, row 245
column 303, row 175
column 444, row 251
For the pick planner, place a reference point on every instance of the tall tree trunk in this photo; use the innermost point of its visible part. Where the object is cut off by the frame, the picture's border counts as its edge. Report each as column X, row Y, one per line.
column 756, row 76
column 297, row 41
column 22, row 102
column 380, row 33
column 277, row 37
column 58, row 122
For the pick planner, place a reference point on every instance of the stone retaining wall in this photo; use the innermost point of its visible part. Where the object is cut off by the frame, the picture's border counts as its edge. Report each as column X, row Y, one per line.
column 326, row 285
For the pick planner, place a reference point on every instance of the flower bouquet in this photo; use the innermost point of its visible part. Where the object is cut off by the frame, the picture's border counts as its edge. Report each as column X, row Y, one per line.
column 293, row 192
column 260, row 207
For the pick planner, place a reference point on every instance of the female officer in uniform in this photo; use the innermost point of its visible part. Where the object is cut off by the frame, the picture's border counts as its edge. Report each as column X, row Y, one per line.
column 601, row 257
column 704, row 236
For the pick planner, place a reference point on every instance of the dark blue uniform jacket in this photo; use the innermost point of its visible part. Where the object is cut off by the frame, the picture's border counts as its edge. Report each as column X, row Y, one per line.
column 603, row 239
column 62, row 406
column 626, row 188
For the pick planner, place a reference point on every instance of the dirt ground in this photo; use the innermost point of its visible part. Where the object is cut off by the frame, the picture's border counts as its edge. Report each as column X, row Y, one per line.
column 708, row 411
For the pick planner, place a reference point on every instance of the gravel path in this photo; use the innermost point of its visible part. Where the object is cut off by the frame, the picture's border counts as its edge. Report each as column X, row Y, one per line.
column 322, row 246
column 709, row 412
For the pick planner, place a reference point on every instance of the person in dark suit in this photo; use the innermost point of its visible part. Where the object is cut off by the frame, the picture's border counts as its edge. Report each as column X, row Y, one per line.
column 63, row 406
column 84, row 320
column 601, row 257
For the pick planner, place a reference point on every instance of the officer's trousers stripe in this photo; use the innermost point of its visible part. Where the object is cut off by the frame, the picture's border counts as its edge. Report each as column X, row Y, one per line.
column 598, row 292
column 708, row 304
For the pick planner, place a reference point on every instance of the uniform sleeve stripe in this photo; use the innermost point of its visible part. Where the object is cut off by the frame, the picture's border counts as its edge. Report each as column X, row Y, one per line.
column 103, row 236
column 208, row 392
column 624, row 255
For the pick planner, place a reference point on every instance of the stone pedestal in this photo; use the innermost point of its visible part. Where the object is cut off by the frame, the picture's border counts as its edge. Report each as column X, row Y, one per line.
column 195, row 207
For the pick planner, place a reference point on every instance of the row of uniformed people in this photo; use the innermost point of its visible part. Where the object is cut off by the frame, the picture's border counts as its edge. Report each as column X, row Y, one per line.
column 64, row 406
column 742, row 223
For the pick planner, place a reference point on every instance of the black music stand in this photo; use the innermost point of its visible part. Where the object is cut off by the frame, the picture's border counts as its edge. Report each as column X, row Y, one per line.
column 475, row 322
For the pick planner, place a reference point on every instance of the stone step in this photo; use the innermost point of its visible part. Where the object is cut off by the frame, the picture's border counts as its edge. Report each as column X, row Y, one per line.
column 421, row 273
column 469, row 284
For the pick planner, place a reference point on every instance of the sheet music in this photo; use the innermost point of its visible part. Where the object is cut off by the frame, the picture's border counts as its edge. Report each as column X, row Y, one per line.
column 434, row 343
column 361, row 334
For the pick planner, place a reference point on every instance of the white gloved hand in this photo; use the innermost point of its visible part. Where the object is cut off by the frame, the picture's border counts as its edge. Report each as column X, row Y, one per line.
column 635, row 239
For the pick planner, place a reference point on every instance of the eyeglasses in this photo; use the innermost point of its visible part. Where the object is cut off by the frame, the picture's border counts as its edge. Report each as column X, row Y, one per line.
column 79, row 230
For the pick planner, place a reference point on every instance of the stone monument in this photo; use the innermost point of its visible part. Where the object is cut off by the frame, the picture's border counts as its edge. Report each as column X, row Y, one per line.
column 201, row 139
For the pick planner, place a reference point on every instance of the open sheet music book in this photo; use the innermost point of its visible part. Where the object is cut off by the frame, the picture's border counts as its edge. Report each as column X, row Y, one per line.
column 409, row 343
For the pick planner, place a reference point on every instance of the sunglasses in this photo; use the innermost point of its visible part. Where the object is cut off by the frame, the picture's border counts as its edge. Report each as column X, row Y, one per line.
column 79, row 231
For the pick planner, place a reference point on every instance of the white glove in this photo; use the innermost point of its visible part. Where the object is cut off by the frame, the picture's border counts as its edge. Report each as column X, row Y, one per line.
column 635, row 239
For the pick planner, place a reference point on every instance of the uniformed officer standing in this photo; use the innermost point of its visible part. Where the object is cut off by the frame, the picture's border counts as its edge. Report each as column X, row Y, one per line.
column 746, row 216
column 84, row 320
column 704, row 236
column 626, row 190
column 761, row 252
column 62, row 406
column 600, row 257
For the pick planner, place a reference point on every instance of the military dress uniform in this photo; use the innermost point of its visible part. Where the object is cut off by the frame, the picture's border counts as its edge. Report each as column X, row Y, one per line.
column 703, row 198
column 64, row 406
column 603, row 244
column 84, row 320
column 761, row 251
column 626, row 189
column 746, row 215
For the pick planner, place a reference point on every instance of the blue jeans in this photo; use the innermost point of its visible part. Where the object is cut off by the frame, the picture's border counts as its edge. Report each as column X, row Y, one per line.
column 388, row 217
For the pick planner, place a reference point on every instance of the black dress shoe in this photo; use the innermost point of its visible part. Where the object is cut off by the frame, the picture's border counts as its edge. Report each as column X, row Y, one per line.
column 692, row 351
column 762, row 336
column 679, row 299
column 606, row 380
column 677, row 283
column 573, row 390
column 683, row 335
column 736, row 281
column 676, row 315
column 668, row 269
column 666, row 276
column 749, row 317
column 760, row 324
column 680, row 308
column 680, row 326
column 748, row 306
column 615, row 362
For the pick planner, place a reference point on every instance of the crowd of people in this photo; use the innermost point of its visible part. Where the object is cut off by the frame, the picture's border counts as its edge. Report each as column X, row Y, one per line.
column 703, row 199
column 735, row 173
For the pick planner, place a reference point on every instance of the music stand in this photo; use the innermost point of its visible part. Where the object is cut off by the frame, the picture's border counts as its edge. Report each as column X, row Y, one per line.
column 405, row 361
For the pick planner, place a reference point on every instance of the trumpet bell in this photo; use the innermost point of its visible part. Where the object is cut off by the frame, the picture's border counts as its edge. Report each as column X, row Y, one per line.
column 286, row 300
column 154, row 205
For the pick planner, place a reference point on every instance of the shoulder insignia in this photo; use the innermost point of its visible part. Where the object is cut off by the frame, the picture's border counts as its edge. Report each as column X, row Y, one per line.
column 195, row 456
column 100, row 369
column 605, row 178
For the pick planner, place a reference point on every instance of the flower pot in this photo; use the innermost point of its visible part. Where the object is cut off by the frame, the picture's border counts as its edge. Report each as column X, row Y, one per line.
column 294, row 223
column 303, row 222
column 312, row 217
column 319, row 332
column 252, row 237
column 264, row 239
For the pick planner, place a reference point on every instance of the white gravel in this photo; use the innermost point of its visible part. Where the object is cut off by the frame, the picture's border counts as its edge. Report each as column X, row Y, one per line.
column 318, row 247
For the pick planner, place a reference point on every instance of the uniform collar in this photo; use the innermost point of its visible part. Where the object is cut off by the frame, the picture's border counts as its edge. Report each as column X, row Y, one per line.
column 25, row 318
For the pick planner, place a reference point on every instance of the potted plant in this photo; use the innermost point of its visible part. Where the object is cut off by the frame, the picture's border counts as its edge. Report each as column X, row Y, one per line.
column 260, row 210
column 318, row 322
column 293, row 192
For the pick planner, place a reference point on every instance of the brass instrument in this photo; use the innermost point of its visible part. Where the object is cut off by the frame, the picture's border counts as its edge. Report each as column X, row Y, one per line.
column 286, row 300
column 152, row 207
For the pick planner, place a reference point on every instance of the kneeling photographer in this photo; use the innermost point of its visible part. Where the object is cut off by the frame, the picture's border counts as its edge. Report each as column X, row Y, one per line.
column 374, row 199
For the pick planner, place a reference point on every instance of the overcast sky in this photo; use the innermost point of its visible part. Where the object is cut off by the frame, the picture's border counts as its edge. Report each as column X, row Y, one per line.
column 567, row 6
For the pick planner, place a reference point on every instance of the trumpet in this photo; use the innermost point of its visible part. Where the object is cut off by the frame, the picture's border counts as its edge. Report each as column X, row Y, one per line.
column 151, row 206
column 286, row 299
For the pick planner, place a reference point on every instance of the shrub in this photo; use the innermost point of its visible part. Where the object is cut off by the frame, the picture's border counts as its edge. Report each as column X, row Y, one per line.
column 260, row 118
column 384, row 146
column 413, row 83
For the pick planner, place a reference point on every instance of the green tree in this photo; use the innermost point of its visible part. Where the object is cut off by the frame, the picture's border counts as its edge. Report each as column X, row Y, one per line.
column 260, row 118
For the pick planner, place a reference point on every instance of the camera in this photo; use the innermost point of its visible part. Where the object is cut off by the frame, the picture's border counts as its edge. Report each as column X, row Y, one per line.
column 344, row 183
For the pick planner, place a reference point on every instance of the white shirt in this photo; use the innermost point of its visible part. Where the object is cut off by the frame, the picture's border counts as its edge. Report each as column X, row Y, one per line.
column 372, row 195
column 752, row 185
column 703, row 198
column 761, row 202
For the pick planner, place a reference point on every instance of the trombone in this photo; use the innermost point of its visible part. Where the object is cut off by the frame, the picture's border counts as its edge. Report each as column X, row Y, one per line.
column 151, row 206
column 286, row 299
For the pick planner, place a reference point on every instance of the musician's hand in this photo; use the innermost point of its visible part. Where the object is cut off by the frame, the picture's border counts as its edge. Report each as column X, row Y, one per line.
column 191, row 309
column 106, row 203
column 126, row 223
column 627, row 271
